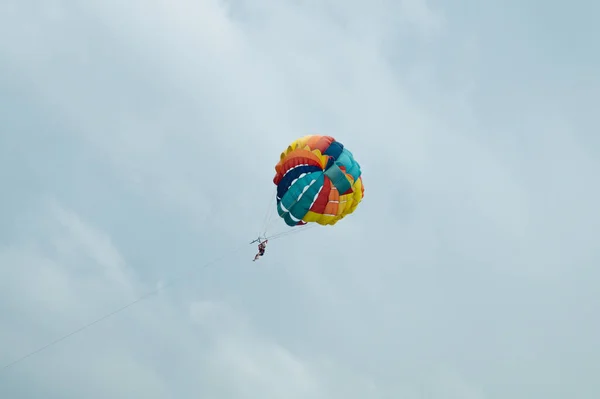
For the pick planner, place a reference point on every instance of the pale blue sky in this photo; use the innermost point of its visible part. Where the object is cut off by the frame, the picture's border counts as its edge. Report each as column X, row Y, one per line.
column 138, row 141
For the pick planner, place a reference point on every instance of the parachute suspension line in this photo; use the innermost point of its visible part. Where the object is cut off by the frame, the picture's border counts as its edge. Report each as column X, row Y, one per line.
column 292, row 231
column 192, row 269
column 273, row 221
column 268, row 220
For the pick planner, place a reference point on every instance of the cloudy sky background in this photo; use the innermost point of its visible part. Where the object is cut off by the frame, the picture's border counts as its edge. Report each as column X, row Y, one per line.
column 137, row 144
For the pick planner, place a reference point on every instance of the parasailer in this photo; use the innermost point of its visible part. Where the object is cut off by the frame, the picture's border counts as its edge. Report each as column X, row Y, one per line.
column 261, row 249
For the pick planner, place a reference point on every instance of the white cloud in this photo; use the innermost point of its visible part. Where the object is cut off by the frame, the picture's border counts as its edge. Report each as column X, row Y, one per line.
column 248, row 364
column 111, row 359
column 94, row 244
column 449, row 383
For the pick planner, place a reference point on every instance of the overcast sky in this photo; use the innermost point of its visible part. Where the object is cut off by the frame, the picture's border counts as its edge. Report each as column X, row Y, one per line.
column 137, row 144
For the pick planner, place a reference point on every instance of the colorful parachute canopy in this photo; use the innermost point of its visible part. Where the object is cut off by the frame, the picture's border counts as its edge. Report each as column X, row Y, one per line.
column 317, row 180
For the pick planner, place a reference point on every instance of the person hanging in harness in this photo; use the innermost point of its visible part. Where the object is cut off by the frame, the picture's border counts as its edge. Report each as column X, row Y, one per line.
column 261, row 249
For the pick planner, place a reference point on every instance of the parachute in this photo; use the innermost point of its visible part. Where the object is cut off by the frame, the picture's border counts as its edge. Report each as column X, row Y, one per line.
column 318, row 181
